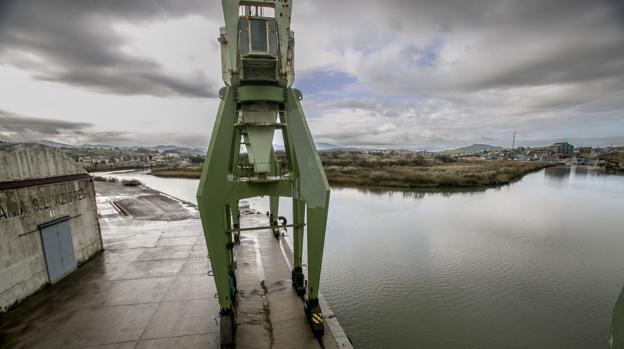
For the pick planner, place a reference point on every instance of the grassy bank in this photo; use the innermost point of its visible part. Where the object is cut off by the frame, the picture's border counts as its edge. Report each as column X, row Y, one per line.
column 464, row 174
column 412, row 174
column 188, row 172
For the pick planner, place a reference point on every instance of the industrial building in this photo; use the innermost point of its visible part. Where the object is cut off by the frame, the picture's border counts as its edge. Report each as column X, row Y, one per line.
column 562, row 148
column 48, row 219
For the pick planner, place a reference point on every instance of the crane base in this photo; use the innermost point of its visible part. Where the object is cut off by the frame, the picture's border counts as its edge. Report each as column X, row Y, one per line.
column 315, row 317
column 276, row 232
column 227, row 326
column 298, row 281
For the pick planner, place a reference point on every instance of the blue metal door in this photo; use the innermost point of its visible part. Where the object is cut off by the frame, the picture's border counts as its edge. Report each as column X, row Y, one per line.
column 58, row 249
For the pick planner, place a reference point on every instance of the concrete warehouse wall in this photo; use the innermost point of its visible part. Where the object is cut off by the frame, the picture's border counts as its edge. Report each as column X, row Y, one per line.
column 28, row 161
column 22, row 262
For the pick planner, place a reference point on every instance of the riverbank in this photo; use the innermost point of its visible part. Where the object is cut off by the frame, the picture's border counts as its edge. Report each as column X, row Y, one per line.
column 463, row 174
column 459, row 174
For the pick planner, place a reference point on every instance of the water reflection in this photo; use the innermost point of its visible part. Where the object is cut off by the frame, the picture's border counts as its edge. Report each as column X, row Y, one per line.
column 562, row 173
column 414, row 193
column 559, row 173
column 589, row 171
column 564, row 176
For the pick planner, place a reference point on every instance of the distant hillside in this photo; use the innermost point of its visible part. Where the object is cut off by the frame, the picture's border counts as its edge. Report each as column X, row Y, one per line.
column 199, row 151
column 325, row 146
column 478, row 147
column 319, row 146
column 97, row 146
column 46, row 142
column 163, row 148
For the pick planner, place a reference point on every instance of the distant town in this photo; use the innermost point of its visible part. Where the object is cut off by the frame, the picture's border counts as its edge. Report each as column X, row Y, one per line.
column 102, row 157
column 610, row 158
column 478, row 165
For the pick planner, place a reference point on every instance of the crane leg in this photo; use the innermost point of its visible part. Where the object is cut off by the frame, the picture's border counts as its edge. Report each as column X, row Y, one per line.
column 274, row 200
column 236, row 221
column 274, row 208
column 616, row 336
column 317, row 221
column 229, row 245
column 214, row 221
column 312, row 188
column 298, row 221
column 213, row 199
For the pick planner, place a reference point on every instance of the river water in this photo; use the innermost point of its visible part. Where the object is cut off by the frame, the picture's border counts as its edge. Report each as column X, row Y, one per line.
column 535, row 264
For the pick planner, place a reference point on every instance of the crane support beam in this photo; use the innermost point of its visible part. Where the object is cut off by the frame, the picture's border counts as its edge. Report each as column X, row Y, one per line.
column 258, row 70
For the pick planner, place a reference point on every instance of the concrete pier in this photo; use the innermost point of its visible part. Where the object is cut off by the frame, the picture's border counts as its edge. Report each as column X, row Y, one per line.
column 269, row 310
column 150, row 288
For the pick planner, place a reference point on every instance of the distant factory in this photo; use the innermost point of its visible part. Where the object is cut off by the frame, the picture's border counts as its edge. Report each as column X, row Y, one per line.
column 48, row 219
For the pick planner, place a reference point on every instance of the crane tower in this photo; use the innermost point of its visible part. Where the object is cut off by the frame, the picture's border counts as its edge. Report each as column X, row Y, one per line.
column 257, row 53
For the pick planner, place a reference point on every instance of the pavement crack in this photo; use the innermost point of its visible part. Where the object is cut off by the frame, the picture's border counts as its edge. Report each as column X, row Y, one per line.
column 266, row 307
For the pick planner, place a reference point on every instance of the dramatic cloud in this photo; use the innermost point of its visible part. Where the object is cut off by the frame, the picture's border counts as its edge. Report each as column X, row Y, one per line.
column 18, row 127
column 447, row 73
column 77, row 43
column 397, row 73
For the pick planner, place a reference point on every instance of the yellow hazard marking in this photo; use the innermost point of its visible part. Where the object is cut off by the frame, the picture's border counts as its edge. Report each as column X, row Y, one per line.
column 316, row 318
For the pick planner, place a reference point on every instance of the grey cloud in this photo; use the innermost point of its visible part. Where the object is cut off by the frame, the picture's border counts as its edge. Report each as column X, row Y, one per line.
column 456, row 122
column 581, row 62
column 492, row 44
column 550, row 69
column 14, row 126
column 124, row 138
column 110, row 137
column 74, row 42
column 350, row 103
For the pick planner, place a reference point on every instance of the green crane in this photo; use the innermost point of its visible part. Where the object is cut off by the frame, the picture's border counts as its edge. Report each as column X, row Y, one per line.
column 616, row 338
column 257, row 53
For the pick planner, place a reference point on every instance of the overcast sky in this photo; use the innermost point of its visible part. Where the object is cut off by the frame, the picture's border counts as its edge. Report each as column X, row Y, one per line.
column 392, row 73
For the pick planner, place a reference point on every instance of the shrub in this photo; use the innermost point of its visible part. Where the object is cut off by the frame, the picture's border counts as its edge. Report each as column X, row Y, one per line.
column 348, row 170
column 379, row 176
column 418, row 161
column 445, row 158
column 451, row 180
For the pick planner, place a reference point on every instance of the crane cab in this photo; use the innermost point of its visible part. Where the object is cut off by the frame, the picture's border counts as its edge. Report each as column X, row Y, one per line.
column 258, row 37
column 258, row 46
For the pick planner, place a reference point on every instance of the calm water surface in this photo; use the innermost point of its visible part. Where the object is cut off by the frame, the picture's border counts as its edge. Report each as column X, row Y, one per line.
column 536, row 264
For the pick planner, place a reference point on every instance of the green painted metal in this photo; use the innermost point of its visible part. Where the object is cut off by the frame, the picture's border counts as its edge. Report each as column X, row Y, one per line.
column 298, row 219
column 258, row 99
column 214, row 193
column 260, row 93
column 229, row 41
column 266, row 227
column 616, row 339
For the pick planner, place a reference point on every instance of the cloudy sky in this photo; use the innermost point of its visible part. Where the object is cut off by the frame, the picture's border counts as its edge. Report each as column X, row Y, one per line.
column 392, row 73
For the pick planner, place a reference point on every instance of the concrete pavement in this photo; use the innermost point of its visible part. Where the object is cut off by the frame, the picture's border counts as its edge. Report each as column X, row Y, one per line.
column 150, row 288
